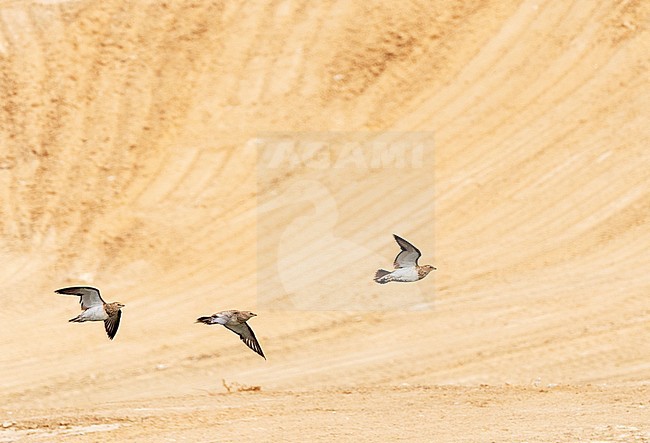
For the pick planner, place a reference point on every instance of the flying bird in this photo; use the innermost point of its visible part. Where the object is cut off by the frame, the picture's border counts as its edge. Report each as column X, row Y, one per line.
column 94, row 308
column 236, row 322
column 406, row 265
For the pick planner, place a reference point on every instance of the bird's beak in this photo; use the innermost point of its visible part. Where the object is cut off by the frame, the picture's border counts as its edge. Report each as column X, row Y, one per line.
column 254, row 315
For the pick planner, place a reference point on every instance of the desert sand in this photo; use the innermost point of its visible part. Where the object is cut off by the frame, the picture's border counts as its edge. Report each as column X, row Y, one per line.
column 188, row 157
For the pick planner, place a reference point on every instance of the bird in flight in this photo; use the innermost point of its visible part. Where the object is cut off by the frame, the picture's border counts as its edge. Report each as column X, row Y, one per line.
column 236, row 322
column 406, row 265
column 94, row 308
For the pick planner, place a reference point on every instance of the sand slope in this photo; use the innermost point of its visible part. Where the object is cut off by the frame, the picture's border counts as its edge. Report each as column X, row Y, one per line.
column 132, row 157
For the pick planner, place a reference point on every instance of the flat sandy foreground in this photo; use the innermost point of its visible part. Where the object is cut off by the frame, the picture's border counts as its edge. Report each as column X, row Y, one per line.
column 193, row 156
column 422, row 414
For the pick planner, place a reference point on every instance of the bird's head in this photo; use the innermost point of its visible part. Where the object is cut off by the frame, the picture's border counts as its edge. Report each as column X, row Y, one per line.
column 250, row 314
column 119, row 305
column 428, row 268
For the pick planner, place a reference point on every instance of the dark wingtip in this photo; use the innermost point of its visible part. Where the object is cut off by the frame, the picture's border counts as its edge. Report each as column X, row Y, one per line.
column 399, row 239
column 111, row 334
column 111, row 337
column 67, row 291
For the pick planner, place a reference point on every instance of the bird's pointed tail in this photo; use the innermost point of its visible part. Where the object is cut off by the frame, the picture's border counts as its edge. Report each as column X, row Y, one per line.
column 379, row 274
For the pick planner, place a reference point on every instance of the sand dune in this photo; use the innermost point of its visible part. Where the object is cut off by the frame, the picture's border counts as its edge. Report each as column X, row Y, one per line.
column 190, row 157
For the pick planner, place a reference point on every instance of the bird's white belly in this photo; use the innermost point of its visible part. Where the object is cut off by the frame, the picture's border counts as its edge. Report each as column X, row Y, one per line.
column 96, row 313
column 405, row 274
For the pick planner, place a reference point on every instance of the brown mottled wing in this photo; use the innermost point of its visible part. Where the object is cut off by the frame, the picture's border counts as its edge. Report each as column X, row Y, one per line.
column 112, row 323
column 89, row 296
column 409, row 255
column 247, row 336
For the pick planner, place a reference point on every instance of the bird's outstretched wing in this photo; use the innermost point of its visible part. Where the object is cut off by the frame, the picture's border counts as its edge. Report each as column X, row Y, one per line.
column 409, row 255
column 247, row 336
column 112, row 323
column 214, row 319
column 89, row 296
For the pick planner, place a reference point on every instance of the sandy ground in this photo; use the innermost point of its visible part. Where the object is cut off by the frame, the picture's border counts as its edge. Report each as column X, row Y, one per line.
column 459, row 414
column 189, row 157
